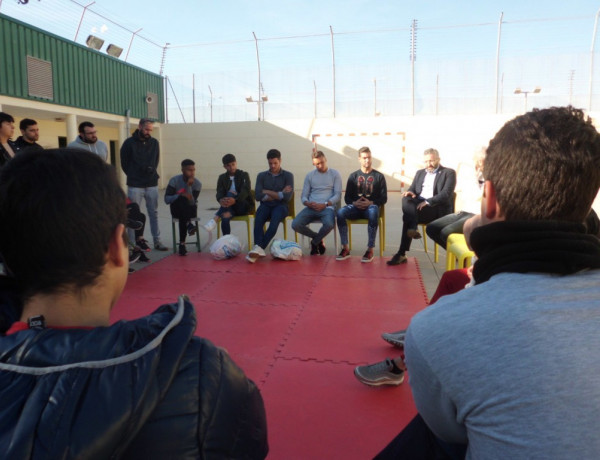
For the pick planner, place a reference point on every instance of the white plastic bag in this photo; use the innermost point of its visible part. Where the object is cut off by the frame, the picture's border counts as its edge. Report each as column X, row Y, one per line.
column 226, row 247
column 286, row 250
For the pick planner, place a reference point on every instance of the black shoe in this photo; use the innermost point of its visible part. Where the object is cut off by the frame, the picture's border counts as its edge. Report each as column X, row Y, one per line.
column 143, row 244
column 131, row 270
column 321, row 248
column 134, row 224
column 314, row 249
column 134, row 256
column 191, row 229
column 144, row 257
column 397, row 259
column 182, row 249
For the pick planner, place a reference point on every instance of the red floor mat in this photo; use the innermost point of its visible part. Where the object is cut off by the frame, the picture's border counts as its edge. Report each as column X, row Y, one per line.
column 298, row 329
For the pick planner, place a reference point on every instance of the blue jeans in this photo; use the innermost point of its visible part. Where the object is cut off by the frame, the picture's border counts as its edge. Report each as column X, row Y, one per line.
column 351, row 212
column 150, row 194
column 240, row 208
column 265, row 212
column 307, row 215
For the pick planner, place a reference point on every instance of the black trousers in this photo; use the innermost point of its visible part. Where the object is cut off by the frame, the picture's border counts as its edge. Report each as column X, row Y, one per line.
column 417, row 442
column 182, row 209
column 411, row 218
column 134, row 213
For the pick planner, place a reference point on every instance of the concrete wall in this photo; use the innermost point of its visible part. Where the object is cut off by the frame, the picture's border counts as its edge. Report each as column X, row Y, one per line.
column 397, row 144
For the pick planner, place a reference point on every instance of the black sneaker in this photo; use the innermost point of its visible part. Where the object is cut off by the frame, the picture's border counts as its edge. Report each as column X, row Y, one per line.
column 368, row 256
column 134, row 256
column 321, row 247
column 144, row 258
column 143, row 244
column 397, row 259
column 134, row 224
column 182, row 249
column 314, row 249
column 191, row 229
column 343, row 255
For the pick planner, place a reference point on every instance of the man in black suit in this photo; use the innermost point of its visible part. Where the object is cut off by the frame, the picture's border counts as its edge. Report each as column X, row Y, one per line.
column 429, row 197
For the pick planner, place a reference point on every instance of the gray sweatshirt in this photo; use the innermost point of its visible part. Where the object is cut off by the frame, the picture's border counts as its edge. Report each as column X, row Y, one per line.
column 99, row 147
column 511, row 366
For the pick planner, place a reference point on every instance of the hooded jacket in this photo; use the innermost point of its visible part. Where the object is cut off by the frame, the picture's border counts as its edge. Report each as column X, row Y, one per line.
column 139, row 160
column 137, row 389
column 98, row 147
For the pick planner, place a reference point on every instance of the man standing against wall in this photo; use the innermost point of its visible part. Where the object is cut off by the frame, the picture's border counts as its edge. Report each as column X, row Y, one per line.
column 321, row 192
column 139, row 159
column 30, row 133
column 88, row 140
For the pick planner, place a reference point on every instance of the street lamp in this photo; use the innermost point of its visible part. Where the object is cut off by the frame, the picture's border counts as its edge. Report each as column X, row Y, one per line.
column 534, row 91
column 262, row 100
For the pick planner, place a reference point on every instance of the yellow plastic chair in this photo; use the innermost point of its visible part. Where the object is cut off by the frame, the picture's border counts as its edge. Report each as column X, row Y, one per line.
column 366, row 222
column 458, row 254
column 245, row 218
column 424, row 233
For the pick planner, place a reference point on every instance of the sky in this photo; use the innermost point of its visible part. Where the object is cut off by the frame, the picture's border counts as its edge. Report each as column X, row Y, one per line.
column 204, row 21
column 223, row 53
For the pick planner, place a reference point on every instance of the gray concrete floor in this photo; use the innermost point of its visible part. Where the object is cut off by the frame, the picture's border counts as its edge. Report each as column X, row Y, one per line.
column 207, row 205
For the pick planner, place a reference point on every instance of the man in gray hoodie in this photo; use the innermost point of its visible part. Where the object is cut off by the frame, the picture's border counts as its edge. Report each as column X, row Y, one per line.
column 88, row 140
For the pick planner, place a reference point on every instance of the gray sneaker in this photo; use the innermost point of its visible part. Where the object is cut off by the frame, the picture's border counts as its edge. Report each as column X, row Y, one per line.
column 160, row 247
column 383, row 373
column 395, row 338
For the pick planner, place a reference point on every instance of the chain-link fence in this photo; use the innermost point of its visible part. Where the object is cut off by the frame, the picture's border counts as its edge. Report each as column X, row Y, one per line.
column 501, row 66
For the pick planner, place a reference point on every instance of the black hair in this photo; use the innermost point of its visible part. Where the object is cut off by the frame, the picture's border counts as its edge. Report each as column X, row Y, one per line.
column 58, row 211
column 187, row 162
column 545, row 165
column 85, row 124
column 26, row 123
column 228, row 158
column 273, row 153
column 5, row 117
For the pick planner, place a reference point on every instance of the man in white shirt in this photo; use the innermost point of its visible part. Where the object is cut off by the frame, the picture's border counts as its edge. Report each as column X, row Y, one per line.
column 428, row 197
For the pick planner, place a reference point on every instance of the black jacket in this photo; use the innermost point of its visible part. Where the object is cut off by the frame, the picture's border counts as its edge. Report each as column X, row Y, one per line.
column 139, row 160
column 443, row 189
column 144, row 389
column 242, row 186
column 25, row 146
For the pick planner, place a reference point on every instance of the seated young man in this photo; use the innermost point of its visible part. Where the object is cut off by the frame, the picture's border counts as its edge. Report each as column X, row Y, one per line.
column 505, row 369
column 72, row 385
column 233, row 195
column 181, row 195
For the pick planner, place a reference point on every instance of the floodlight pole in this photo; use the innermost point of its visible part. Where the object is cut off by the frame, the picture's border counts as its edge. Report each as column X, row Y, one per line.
column 592, row 60
column 333, row 66
column 498, row 57
column 258, row 63
column 130, row 42
column 81, row 19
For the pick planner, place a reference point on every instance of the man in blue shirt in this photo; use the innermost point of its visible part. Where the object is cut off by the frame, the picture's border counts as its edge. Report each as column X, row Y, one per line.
column 274, row 189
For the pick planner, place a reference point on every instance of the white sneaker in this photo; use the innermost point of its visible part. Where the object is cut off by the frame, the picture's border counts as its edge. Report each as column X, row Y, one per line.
column 251, row 259
column 210, row 225
column 257, row 251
